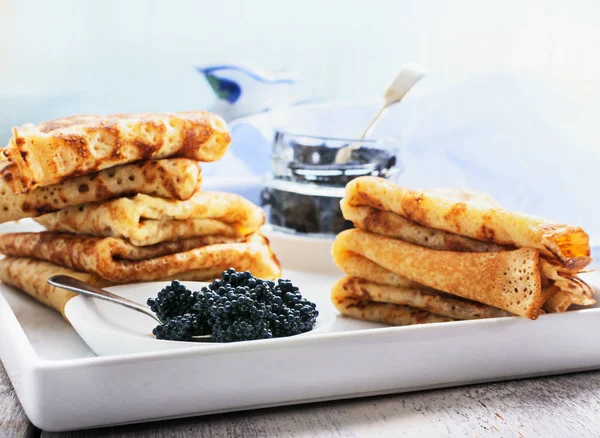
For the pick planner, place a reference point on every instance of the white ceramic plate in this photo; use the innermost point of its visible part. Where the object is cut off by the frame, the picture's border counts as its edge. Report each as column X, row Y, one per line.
column 111, row 329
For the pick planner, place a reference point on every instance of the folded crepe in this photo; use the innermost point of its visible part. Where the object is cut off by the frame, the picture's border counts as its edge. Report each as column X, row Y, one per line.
column 54, row 151
column 571, row 291
column 473, row 219
column 368, row 280
column 176, row 178
column 356, row 265
column 31, row 277
column 569, row 287
column 422, row 298
column 508, row 280
column 563, row 288
column 146, row 220
column 385, row 313
column 118, row 261
column 391, row 224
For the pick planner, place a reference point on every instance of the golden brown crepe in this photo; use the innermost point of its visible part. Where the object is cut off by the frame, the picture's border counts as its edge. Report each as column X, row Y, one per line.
column 574, row 290
column 508, row 280
column 54, row 151
column 391, row 224
column 176, row 178
column 118, row 261
column 453, row 240
column 385, row 313
column 356, row 265
column 31, row 277
column 146, row 220
column 59, row 247
column 568, row 244
column 420, row 298
column 571, row 290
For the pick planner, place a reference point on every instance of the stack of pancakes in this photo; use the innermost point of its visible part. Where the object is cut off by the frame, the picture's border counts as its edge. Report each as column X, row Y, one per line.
column 442, row 255
column 121, row 201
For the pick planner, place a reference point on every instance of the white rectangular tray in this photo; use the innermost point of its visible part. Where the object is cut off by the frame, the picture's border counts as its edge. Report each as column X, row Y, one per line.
column 62, row 385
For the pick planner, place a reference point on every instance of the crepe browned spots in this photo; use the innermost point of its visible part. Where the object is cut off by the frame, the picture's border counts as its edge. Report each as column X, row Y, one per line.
column 146, row 220
column 356, row 265
column 31, row 276
column 175, row 178
column 391, row 224
column 572, row 289
column 565, row 288
column 385, row 313
column 54, row 151
column 568, row 244
column 508, row 280
column 118, row 261
column 420, row 298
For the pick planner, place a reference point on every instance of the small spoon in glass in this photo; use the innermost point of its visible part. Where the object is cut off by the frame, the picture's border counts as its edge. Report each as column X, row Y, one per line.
column 406, row 79
column 81, row 287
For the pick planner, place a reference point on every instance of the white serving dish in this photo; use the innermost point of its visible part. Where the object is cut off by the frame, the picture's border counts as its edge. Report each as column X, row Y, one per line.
column 62, row 385
column 111, row 330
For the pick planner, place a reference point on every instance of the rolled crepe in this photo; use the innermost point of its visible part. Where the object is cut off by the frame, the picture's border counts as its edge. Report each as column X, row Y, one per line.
column 508, row 280
column 170, row 178
column 420, row 298
column 31, row 277
column 118, row 261
column 54, row 151
column 473, row 219
column 558, row 301
column 146, row 220
column 391, row 224
column 392, row 314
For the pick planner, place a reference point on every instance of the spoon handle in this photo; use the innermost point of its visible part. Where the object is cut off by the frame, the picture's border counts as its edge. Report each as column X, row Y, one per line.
column 374, row 120
column 80, row 287
column 344, row 154
column 404, row 81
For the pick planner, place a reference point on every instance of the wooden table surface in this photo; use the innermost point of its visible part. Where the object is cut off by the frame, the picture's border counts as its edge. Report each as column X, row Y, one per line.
column 559, row 406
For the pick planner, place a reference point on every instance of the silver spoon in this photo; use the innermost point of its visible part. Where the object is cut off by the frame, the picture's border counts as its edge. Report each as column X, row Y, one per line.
column 406, row 79
column 81, row 287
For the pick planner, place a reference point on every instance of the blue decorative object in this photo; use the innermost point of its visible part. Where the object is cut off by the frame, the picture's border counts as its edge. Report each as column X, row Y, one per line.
column 224, row 88
column 242, row 90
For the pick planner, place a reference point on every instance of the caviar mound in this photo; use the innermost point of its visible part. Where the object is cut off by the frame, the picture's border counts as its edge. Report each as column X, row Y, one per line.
column 174, row 307
column 180, row 328
column 174, row 300
column 236, row 307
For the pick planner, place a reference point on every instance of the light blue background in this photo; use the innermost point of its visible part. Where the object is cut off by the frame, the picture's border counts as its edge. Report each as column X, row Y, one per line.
column 510, row 105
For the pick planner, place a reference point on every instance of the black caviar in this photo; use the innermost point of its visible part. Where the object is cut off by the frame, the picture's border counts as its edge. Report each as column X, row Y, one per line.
column 181, row 328
column 173, row 300
column 237, row 307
